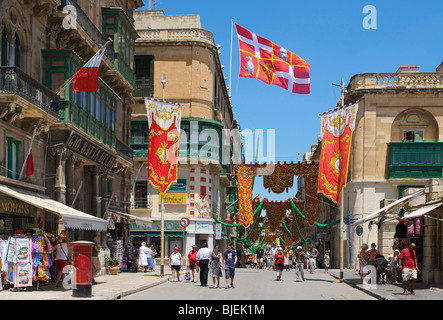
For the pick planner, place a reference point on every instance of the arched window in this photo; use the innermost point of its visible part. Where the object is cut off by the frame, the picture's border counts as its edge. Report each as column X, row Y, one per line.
column 17, row 51
column 4, row 45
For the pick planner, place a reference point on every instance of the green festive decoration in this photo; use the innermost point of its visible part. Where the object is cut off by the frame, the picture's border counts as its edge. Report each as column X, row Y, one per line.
column 281, row 239
column 254, row 249
column 286, row 227
column 226, row 224
column 317, row 224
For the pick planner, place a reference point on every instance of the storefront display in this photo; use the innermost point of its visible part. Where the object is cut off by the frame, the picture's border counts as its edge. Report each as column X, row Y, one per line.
column 24, row 260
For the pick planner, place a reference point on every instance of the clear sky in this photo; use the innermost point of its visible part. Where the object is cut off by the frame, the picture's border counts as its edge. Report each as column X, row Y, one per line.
column 330, row 36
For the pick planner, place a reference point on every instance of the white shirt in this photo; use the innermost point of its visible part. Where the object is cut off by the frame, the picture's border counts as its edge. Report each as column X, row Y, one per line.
column 204, row 254
column 59, row 254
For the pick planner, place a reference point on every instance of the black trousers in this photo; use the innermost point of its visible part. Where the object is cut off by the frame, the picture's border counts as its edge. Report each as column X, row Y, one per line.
column 204, row 270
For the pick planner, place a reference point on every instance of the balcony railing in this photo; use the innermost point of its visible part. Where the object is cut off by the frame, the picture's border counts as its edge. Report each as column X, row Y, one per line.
column 410, row 80
column 124, row 151
column 143, row 90
column 14, row 81
column 175, row 35
column 86, row 24
column 418, row 160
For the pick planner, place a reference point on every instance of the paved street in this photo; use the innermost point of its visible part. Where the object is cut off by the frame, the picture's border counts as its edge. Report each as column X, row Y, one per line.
column 257, row 285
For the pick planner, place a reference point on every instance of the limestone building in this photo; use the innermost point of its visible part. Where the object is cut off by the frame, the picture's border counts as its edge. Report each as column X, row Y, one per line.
column 81, row 152
column 179, row 50
column 398, row 145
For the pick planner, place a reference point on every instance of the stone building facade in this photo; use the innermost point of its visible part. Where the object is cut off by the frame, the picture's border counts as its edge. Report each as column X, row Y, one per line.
column 81, row 152
column 178, row 48
column 397, row 145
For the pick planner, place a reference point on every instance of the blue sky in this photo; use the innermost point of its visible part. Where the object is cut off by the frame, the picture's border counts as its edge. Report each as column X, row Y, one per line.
column 330, row 36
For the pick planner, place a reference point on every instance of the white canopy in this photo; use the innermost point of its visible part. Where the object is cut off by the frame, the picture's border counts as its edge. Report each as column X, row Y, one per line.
column 420, row 212
column 378, row 213
column 72, row 218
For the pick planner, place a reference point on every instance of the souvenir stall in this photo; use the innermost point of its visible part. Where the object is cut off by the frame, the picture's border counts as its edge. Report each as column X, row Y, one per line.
column 25, row 258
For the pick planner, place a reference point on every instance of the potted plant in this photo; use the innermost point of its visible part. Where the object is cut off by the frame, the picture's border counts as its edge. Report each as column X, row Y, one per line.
column 113, row 265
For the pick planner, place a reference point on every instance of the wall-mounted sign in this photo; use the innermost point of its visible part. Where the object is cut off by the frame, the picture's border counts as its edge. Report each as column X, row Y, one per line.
column 90, row 150
column 175, row 199
column 179, row 186
column 169, row 226
column 15, row 207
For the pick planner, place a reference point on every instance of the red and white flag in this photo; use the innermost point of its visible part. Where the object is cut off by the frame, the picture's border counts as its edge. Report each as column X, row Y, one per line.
column 262, row 59
column 86, row 79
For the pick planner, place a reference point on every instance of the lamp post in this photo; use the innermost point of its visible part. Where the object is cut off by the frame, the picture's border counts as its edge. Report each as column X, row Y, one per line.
column 162, row 222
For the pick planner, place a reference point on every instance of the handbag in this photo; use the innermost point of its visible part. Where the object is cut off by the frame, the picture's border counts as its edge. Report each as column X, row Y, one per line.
column 188, row 274
column 68, row 259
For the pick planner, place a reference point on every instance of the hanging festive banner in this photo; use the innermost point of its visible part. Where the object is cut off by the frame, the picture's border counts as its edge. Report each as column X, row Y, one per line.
column 164, row 123
column 337, row 130
column 245, row 175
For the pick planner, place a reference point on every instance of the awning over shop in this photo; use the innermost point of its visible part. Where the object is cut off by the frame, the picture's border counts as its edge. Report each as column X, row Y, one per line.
column 142, row 222
column 420, row 212
column 72, row 218
column 155, row 234
column 384, row 210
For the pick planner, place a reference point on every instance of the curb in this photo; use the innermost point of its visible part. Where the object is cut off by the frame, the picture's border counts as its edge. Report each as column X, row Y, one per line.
column 146, row 287
column 377, row 296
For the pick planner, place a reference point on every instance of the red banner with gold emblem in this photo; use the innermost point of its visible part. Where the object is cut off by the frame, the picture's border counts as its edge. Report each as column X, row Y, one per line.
column 337, row 130
column 164, row 124
column 245, row 174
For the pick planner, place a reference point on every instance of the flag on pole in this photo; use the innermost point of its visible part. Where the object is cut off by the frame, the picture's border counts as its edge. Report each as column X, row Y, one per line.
column 29, row 159
column 164, row 124
column 262, row 59
column 338, row 127
column 86, row 79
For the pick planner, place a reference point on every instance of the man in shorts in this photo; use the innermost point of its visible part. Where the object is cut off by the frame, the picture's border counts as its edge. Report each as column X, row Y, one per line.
column 259, row 257
column 229, row 262
column 408, row 265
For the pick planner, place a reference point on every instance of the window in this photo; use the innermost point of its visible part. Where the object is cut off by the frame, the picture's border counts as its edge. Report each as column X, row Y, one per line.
column 141, row 194
column 17, row 51
column 413, row 136
column 12, row 153
column 4, row 45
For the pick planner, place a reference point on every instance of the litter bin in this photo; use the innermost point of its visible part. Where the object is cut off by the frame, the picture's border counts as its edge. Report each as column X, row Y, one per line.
column 83, row 269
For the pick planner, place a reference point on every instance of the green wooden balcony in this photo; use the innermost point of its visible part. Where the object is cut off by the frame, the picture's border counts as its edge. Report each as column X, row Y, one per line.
column 419, row 160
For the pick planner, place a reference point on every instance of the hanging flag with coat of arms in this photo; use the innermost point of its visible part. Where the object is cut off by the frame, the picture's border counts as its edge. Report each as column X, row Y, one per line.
column 164, row 123
column 338, row 127
column 262, row 59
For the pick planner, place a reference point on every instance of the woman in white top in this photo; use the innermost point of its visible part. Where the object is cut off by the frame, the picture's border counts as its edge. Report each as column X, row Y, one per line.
column 175, row 262
column 61, row 254
column 143, row 257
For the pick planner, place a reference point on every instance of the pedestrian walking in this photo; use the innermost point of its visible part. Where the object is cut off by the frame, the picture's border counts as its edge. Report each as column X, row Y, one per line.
column 192, row 262
column 279, row 261
column 274, row 251
column 268, row 255
column 363, row 261
column 143, row 257
column 175, row 262
column 372, row 253
column 154, row 254
column 259, row 254
column 96, row 267
column 311, row 263
column 229, row 263
column 62, row 253
column 326, row 260
column 215, row 266
column 409, row 267
column 313, row 253
column 149, row 257
column 288, row 258
column 203, row 258
column 300, row 258
column 395, row 263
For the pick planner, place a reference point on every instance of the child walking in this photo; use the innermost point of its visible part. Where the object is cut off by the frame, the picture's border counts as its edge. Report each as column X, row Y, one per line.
column 326, row 260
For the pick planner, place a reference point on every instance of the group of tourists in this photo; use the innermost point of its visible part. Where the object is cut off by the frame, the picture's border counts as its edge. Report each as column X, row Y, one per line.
column 205, row 261
column 402, row 267
column 146, row 257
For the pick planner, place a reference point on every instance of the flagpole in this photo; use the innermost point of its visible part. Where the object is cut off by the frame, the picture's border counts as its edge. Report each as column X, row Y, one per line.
column 230, row 65
column 27, row 154
column 342, row 246
column 162, row 203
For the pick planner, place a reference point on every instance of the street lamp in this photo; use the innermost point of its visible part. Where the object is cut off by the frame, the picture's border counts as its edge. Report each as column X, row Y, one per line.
column 163, row 84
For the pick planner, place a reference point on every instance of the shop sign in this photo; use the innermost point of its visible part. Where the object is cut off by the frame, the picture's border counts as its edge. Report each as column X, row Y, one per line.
column 179, row 186
column 90, row 150
column 15, row 207
column 175, row 199
column 155, row 226
column 218, row 231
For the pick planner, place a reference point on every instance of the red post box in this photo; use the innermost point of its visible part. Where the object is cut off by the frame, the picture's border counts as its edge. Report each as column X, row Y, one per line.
column 83, row 269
